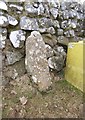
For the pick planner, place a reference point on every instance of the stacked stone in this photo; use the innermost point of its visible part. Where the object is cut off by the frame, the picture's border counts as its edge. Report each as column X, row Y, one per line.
column 64, row 20
column 58, row 23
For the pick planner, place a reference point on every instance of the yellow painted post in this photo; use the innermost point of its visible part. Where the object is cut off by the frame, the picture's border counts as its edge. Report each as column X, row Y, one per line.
column 74, row 72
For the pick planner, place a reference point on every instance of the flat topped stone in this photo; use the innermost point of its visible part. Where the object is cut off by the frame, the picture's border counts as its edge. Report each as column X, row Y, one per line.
column 36, row 61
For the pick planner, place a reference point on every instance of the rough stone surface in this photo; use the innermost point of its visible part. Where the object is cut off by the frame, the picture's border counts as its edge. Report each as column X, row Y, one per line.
column 17, row 38
column 50, row 39
column 36, row 61
column 31, row 9
column 27, row 23
column 12, row 20
column 3, row 5
column 13, row 56
column 54, row 12
column 49, row 52
column 56, row 62
column 17, row 7
column 3, row 21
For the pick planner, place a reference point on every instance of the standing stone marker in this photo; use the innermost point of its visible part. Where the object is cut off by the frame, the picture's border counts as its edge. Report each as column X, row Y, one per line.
column 36, row 61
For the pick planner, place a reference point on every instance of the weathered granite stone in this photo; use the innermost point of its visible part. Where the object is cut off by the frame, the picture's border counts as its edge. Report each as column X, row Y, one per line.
column 64, row 24
column 51, row 30
column 56, row 62
column 3, row 21
column 69, row 33
column 59, row 32
column 62, row 6
column 59, row 50
column 54, row 12
column 41, row 9
column 36, row 61
column 35, row 4
column 13, row 56
column 27, row 23
column 72, row 24
column 3, row 36
column 30, row 9
column 66, row 14
column 49, row 50
column 12, row 20
column 3, row 5
column 47, row 12
column 53, row 3
column 56, row 23
column 17, row 38
column 17, row 7
column 49, row 39
column 72, row 13
column 63, row 40
column 45, row 22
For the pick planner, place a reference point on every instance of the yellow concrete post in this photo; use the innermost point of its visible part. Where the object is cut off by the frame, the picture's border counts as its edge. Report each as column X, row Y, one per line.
column 75, row 72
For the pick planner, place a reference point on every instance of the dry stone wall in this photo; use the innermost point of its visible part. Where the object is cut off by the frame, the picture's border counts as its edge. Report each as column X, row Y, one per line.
column 57, row 23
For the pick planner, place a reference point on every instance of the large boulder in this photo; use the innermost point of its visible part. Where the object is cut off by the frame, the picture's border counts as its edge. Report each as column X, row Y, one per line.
column 36, row 61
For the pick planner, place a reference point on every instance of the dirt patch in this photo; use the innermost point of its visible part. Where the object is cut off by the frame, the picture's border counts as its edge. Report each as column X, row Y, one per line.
column 62, row 101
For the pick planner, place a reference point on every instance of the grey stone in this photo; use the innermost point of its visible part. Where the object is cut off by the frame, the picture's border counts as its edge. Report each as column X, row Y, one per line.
column 66, row 14
column 45, row 22
column 49, row 50
column 42, row 30
column 69, row 33
column 17, row 7
column 3, row 6
column 53, row 3
column 35, row 4
column 36, row 61
column 62, row 6
column 17, row 38
column 54, row 12
column 59, row 50
column 49, row 39
column 64, row 24
column 12, row 20
column 72, row 33
column 72, row 13
column 63, row 40
column 59, row 32
column 3, row 37
column 13, row 56
column 41, row 9
column 51, row 30
column 27, row 23
column 56, row 23
column 47, row 12
column 31, row 9
column 56, row 62
column 3, row 21
column 72, row 24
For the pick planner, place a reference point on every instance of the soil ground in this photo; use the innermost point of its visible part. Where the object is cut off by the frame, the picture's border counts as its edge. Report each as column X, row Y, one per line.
column 62, row 101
